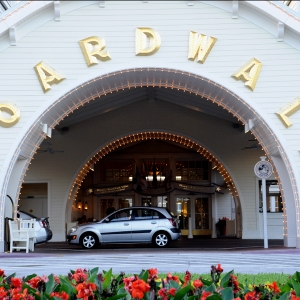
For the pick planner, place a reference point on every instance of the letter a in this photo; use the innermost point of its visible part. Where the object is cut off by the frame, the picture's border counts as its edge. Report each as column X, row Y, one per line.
column 91, row 48
column 200, row 44
column 147, row 41
column 249, row 73
column 47, row 76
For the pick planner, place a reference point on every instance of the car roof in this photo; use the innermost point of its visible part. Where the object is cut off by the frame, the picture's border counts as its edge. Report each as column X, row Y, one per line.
column 144, row 207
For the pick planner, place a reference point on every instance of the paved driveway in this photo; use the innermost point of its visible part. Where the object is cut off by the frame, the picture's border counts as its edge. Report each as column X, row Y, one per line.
column 247, row 257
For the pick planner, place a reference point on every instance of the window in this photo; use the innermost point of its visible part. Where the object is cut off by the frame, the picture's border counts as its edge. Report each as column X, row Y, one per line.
column 192, row 170
column 121, row 216
column 144, row 214
column 273, row 197
column 120, row 171
column 162, row 201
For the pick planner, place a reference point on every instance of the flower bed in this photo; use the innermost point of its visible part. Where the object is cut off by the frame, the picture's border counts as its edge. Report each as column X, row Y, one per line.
column 90, row 284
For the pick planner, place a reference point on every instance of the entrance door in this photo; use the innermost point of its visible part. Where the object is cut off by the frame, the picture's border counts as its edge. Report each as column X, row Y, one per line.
column 183, row 208
column 198, row 210
column 201, row 213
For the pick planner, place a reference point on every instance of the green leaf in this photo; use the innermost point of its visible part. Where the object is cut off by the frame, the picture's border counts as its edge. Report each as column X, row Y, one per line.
column 174, row 284
column 107, row 281
column 66, row 286
column 225, row 279
column 227, row 293
column 285, row 288
column 29, row 277
column 181, row 293
column 285, row 296
column 296, row 286
column 214, row 297
column 95, row 270
column 211, row 288
column 50, row 285
column 206, row 282
column 92, row 277
column 144, row 275
column 116, row 297
column 192, row 297
column 296, row 276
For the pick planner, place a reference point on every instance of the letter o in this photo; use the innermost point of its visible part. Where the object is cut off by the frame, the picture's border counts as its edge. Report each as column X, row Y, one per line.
column 14, row 112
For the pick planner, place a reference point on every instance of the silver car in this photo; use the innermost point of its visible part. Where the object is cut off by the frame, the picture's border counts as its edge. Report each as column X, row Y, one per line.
column 129, row 225
column 43, row 232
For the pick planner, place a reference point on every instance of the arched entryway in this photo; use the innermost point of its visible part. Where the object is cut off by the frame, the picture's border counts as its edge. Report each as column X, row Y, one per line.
column 175, row 80
column 165, row 186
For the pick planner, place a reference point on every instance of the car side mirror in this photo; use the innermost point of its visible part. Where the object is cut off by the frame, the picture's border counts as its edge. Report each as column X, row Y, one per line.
column 107, row 220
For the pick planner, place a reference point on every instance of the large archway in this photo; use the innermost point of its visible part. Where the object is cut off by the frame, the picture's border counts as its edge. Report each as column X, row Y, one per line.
column 164, row 136
column 197, row 85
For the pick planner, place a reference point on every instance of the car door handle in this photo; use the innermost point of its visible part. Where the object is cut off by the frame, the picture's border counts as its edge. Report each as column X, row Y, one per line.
column 126, row 224
column 153, row 222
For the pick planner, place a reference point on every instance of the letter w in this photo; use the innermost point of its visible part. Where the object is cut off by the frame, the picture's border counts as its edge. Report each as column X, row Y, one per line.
column 200, row 44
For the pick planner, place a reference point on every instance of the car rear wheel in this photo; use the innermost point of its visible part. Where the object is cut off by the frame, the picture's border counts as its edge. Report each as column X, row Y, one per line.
column 89, row 241
column 161, row 239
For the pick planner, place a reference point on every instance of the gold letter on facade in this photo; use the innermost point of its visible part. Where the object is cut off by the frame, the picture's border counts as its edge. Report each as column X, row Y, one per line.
column 9, row 114
column 200, row 44
column 287, row 111
column 47, row 76
column 91, row 48
column 147, row 41
column 249, row 73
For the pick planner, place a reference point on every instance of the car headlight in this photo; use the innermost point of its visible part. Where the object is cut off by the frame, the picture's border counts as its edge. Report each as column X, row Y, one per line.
column 73, row 229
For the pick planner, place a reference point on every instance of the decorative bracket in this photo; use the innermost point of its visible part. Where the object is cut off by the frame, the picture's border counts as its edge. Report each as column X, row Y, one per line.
column 12, row 36
column 280, row 32
column 56, row 11
column 235, row 9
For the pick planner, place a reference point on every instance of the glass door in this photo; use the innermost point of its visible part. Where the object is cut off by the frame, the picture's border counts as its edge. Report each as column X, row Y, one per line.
column 183, row 210
column 201, row 213
column 196, row 208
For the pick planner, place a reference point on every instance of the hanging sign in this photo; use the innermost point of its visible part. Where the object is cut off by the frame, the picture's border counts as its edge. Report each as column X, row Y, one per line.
column 263, row 169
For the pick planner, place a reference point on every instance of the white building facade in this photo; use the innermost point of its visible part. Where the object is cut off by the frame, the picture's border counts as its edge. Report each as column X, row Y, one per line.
column 86, row 84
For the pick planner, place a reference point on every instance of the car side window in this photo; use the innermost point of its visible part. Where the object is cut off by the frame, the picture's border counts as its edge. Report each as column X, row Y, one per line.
column 121, row 216
column 145, row 214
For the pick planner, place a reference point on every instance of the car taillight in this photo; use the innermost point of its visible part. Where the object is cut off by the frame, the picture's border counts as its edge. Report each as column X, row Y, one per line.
column 44, row 223
column 172, row 221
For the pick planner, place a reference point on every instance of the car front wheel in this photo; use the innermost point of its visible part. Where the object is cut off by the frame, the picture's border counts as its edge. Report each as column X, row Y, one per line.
column 161, row 239
column 89, row 241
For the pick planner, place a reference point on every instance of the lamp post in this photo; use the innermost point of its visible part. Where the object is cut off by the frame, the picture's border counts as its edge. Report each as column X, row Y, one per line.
column 263, row 169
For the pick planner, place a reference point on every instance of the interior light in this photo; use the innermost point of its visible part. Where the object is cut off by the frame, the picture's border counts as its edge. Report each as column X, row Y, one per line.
column 79, row 204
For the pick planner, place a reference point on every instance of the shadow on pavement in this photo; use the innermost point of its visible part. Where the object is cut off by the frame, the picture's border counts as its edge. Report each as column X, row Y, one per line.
column 199, row 243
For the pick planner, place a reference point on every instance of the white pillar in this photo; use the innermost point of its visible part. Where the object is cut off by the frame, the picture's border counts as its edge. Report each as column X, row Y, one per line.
column 273, row 206
column 190, row 236
column 265, row 212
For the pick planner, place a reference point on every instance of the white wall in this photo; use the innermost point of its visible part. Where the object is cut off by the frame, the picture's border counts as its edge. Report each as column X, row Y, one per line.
column 43, row 38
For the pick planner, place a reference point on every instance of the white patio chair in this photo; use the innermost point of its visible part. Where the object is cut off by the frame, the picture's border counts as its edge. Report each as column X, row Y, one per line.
column 28, row 225
column 20, row 238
